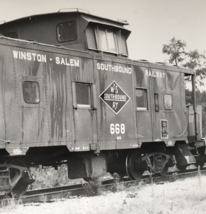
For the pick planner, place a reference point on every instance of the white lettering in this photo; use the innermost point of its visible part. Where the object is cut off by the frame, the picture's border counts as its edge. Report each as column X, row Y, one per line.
column 76, row 62
column 34, row 56
column 153, row 73
column 57, row 60
column 117, row 128
column 15, row 54
column 22, row 55
column 62, row 61
column 39, row 59
column 98, row 66
column 67, row 61
column 114, row 68
column 29, row 56
column 71, row 62
column 43, row 58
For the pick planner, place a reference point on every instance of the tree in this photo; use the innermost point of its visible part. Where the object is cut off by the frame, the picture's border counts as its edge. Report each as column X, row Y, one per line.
column 176, row 49
column 178, row 56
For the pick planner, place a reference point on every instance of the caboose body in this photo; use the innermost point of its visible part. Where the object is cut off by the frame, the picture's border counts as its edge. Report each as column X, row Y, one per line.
column 77, row 99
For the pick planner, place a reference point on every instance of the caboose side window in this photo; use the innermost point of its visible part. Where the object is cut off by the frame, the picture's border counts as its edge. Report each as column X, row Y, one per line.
column 66, row 31
column 168, row 101
column 141, row 99
column 83, row 94
column 111, row 41
column 106, row 40
column 122, row 43
column 91, row 42
column 31, row 92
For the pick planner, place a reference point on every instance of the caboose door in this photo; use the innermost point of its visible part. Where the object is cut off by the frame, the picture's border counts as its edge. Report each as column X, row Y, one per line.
column 167, row 106
column 84, row 109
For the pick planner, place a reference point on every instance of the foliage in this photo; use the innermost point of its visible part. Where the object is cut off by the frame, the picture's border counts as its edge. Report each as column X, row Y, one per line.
column 49, row 177
column 176, row 49
column 179, row 56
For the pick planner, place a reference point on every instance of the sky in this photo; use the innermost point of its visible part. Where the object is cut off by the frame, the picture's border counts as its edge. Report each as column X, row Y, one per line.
column 152, row 22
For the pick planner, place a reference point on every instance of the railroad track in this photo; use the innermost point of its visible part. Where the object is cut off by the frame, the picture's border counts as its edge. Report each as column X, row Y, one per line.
column 86, row 189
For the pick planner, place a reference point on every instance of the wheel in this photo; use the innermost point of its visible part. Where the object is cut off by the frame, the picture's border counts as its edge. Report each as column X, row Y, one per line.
column 182, row 168
column 23, row 183
column 133, row 165
column 128, row 166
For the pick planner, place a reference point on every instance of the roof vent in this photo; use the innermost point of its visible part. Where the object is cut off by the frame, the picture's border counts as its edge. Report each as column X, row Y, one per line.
column 73, row 10
column 123, row 21
column 142, row 60
column 160, row 63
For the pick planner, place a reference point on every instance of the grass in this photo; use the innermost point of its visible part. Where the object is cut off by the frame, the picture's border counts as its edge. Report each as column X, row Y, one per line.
column 10, row 203
column 93, row 187
column 186, row 196
column 160, row 200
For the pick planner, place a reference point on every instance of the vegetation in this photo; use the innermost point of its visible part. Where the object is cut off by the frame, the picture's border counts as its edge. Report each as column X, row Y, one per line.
column 179, row 56
column 49, row 177
column 176, row 49
column 182, row 196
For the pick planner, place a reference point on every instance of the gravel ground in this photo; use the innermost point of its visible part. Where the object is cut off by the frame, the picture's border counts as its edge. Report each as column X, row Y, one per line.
column 185, row 196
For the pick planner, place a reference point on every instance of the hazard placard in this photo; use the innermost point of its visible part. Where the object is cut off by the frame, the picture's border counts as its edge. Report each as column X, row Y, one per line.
column 114, row 97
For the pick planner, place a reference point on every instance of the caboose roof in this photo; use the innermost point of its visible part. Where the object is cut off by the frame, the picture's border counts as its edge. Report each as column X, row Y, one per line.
column 87, row 16
column 74, row 29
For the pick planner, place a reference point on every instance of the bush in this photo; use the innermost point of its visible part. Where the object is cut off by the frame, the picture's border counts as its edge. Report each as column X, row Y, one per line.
column 49, row 177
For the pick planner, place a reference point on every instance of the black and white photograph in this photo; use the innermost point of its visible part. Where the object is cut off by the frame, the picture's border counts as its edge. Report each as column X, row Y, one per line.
column 103, row 107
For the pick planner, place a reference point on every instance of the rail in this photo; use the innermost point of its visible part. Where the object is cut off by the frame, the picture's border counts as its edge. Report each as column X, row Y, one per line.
column 86, row 189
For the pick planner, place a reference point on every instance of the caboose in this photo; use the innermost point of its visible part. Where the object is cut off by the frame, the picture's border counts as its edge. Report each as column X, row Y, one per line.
column 70, row 95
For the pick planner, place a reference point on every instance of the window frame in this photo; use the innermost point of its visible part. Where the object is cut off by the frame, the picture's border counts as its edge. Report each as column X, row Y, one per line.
column 57, row 34
column 117, row 35
column 92, row 95
column 147, row 100
column 97, row 35
column 23, row 92
column 168, row 109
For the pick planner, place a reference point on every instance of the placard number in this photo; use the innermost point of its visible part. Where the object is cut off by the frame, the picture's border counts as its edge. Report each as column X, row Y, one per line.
column 117, row 128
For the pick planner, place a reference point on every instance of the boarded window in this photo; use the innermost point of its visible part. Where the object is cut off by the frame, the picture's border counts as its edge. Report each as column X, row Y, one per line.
column 122, row 43
column 91, row 41
column 141, row 99
column 66, row 31
column 168, row 101
column 31, row 92
column 111, row 40
column 105, row 38
column 102, row 39
column 83, row 94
